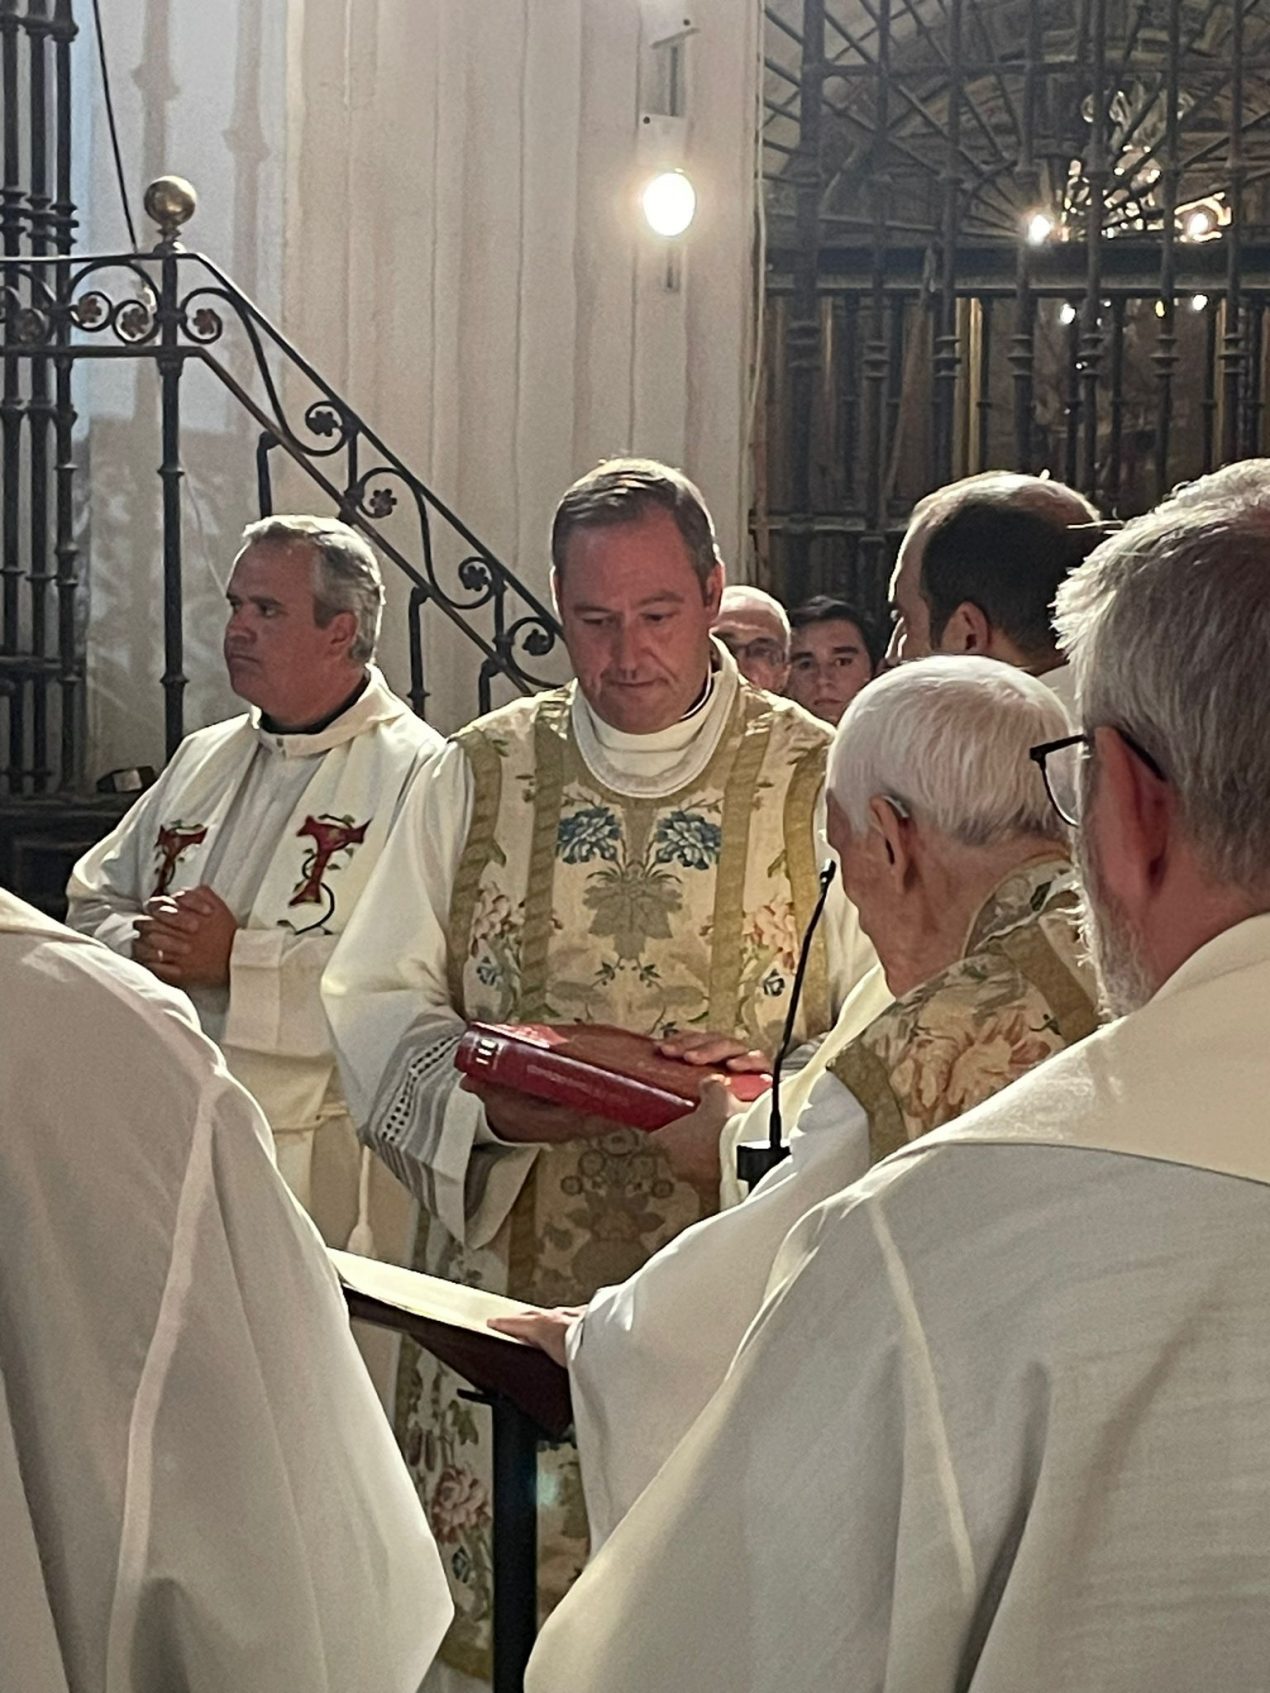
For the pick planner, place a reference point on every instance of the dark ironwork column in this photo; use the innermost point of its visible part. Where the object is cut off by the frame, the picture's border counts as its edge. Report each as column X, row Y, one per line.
column 66, row 553
column 804, row 315
column 946, row 360
column 1115, row 440
column 1023, row 341
column 875, row 348
column 1096, row 171
column 1166, row 345
column 171, row 475
column 11, row 407
column 40, row 408
column 1232, row 344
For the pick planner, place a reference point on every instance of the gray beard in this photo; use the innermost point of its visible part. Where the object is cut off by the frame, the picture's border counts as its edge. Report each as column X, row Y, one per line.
column 1111, row 942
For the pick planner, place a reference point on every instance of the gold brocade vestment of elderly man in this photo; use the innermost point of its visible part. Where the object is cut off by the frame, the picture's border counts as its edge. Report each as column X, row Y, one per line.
column 574, row 902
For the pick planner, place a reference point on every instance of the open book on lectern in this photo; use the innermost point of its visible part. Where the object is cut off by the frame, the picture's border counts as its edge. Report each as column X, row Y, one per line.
column 451, row 1322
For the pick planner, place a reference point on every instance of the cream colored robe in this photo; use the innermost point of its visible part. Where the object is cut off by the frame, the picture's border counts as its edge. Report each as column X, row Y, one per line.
column 648, row 1354
column 198, row 1490
column 287, row 829
column 590, row 875
column 1002, row 1421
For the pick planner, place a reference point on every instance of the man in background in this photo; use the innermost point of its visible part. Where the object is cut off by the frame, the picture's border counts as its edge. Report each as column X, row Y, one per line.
column 833, row 653
column 979, row 566
column 754, row 628
column 198, row 1489
column 235, row 874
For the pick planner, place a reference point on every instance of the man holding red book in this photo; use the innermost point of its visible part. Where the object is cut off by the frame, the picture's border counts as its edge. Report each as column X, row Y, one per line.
column 638, row 849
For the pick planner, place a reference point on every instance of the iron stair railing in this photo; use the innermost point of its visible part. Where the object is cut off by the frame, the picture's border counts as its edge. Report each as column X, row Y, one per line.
column 175, row 308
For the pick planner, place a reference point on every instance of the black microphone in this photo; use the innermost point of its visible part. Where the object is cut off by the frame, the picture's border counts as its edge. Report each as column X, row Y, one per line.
column 754, row 1158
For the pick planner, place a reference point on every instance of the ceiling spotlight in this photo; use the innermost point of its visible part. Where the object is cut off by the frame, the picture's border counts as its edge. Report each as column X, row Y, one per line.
column 1198, row 302
column 670, row 203
column 1199, row 223
column 1160, row 308
column 1040, row 226
column 1067, row 312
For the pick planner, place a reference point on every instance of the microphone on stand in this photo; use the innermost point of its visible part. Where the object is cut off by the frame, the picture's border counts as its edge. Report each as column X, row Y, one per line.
column 754, row 1158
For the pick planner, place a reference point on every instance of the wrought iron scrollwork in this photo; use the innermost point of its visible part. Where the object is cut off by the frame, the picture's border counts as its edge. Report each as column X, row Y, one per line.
column 175, row 308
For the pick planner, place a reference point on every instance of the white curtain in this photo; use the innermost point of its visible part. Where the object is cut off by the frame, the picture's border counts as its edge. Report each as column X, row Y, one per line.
column 464, row 256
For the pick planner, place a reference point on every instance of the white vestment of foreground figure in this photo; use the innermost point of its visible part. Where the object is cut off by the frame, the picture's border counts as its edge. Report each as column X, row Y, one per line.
column 1002, row 1423
column 198, row 1489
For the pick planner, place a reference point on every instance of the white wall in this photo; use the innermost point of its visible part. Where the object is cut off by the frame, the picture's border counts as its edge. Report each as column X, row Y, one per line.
column 196, row 92
column 436, row 197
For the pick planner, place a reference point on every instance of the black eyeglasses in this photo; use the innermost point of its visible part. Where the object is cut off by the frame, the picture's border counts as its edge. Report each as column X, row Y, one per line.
column 1061, row 762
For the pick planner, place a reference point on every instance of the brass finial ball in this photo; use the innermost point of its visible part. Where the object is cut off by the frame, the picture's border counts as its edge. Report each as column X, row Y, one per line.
column 170, row 201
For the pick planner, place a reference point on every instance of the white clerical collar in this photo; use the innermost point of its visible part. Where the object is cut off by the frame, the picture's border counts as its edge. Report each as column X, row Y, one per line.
column 652, row 766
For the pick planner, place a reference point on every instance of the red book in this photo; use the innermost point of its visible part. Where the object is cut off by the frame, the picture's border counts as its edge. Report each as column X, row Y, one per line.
column 594, row 1068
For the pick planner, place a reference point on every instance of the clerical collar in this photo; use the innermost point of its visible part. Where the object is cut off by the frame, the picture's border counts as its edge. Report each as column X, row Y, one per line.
column 272, row 727
column 652, row 766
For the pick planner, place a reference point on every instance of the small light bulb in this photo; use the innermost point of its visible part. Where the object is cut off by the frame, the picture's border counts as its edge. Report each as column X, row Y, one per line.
column 1040, row 226
column 1198, row 225
column 1198, row 302
column 1160, row 308
column 670, row 203
column 1067, row 312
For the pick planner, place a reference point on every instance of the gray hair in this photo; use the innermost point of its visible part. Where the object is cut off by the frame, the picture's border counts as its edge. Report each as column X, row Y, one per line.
column 346, row 574
column 1167, row 626
column 627, row 490
column 740, row 597
column 948, row 738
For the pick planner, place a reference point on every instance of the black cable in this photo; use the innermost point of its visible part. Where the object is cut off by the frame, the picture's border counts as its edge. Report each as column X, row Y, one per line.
column 775, row 1139
column 110, row 120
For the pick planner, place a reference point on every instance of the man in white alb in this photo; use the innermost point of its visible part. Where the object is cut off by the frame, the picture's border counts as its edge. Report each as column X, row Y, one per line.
column 959, row 868
column 979, row 566
column 1002, row 1421
column 198, row 1489
column 639, row 848
column 234, row 875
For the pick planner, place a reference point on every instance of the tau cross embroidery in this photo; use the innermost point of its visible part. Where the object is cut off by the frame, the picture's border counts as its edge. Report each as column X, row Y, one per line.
column 172, row 842
column 330, row 835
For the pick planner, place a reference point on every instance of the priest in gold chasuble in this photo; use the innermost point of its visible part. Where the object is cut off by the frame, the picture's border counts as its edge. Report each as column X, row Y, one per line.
column 638, row 848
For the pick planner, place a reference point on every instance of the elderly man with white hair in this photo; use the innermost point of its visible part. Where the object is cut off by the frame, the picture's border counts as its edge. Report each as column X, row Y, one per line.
column 960, row 872
column 1002, row 1422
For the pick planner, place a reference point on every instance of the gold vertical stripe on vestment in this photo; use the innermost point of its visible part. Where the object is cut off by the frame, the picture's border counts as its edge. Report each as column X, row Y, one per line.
column 479, row 850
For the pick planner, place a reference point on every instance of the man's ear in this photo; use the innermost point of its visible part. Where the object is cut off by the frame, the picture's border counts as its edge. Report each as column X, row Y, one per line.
column 892, row 834
column 555, row 590
column 712, row 589
column 967, row 631
column 341, row 632
column 1135, row 814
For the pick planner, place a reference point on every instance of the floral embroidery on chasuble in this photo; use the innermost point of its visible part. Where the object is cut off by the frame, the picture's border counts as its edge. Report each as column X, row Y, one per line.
column 1023, row 991
column 575, row 903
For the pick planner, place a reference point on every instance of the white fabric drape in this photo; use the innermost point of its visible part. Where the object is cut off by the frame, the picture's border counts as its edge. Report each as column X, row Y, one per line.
column 464, row 257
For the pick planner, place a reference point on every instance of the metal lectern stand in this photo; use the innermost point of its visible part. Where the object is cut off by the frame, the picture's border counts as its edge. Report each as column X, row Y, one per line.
column 528, row 1397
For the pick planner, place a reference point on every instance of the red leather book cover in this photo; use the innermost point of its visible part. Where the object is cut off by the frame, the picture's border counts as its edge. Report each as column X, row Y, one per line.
column 594, row 1068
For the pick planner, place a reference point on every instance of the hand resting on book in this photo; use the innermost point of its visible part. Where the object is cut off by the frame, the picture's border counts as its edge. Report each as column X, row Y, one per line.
column 516, row 1116
column 691, row 1143
column 701, row 1047
column 549, row 1331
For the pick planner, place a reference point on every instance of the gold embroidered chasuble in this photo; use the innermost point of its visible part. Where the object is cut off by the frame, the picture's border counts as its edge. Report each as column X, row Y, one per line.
column 1022, row 991
column 575, row 902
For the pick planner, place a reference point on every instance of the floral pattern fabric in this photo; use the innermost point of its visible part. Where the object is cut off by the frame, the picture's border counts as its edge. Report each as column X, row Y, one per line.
column 574, row 903
column 1023, row 992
